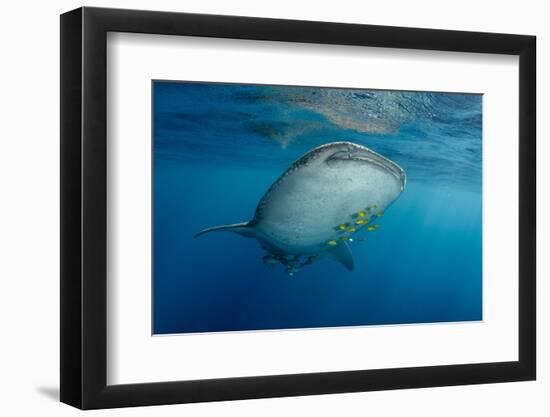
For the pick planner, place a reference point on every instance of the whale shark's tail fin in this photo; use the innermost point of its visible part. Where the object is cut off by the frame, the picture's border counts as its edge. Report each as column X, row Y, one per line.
column 245, row 229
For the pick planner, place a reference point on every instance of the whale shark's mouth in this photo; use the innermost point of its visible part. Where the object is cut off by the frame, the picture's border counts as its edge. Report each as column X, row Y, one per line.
column 361, row 153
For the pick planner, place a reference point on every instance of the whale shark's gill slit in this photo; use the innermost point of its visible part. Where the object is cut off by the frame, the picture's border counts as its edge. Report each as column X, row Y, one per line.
column 244, row 228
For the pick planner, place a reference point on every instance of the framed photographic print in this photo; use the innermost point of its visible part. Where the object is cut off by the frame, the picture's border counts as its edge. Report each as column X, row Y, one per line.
column 257, row 208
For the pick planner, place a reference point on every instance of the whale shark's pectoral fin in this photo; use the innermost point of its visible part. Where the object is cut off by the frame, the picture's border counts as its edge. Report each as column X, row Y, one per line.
column 342, row 254
column 245, row 229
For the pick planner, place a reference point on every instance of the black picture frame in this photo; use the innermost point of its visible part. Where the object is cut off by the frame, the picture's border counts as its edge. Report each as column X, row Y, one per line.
column 84, row 207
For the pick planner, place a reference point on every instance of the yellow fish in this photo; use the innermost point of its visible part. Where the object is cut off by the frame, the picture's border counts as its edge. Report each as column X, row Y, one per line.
column 343, row 226
column 344, row 238
column 352, row 229
column 331, row 243
column 380, row 214
column 372, row 228
column 362, row 214
column 361, row 221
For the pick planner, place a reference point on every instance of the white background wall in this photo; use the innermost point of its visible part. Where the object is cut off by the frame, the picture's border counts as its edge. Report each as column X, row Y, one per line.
column 29, row 237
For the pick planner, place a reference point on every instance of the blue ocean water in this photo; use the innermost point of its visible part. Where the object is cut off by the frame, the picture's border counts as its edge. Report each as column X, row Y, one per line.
column 218, row 148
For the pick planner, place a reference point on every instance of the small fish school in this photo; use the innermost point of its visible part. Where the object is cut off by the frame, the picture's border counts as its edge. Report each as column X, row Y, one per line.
column 345, row 232
column 360, row 221
column 291, row 263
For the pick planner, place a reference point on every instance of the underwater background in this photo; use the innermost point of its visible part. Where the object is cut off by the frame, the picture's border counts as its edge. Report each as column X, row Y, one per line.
column 218, row 147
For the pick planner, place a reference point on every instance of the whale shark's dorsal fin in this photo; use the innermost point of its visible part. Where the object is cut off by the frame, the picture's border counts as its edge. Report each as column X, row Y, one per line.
column 342, row 254
column 245, row 229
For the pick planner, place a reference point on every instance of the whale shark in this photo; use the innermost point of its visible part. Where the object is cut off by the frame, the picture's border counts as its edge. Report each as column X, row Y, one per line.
column 325, row 200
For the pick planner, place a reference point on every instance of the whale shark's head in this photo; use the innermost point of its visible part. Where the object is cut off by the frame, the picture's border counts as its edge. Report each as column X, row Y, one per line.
column 348, row 155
